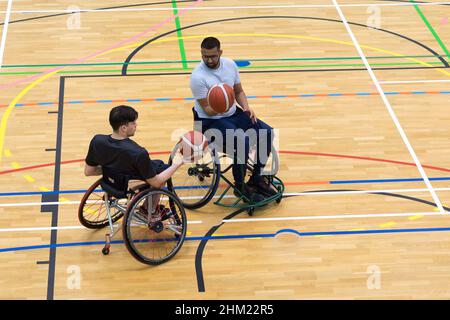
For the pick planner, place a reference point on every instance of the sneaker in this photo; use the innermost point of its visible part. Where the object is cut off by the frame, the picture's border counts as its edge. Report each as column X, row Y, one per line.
column 250, row 194
column 262, row 186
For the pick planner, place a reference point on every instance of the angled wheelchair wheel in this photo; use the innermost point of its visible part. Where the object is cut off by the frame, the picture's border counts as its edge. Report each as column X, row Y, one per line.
column 92, row 210
column 154, row 238
column 196, row 183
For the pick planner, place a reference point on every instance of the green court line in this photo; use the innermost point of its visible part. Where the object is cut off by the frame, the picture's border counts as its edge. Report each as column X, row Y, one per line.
column 197, row 61
column 430, row 27
column 248, row 67
column 180, row 36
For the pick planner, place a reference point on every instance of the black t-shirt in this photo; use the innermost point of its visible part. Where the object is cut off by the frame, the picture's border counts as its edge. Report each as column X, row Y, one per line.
column 121, row 156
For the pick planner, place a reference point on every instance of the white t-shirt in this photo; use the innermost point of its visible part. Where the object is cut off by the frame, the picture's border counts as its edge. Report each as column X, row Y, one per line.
column 203, row 78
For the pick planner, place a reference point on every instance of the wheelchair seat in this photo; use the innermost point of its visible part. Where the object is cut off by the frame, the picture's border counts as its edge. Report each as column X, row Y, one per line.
column 114, row 184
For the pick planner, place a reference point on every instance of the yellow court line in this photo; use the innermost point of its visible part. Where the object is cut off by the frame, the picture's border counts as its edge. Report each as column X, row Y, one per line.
column 387, row 224
column 415, row 217
column 29, row 178
column 15, row 165
column 269, row 35
column 44, row 189
column 7, row 153
column 11, row 106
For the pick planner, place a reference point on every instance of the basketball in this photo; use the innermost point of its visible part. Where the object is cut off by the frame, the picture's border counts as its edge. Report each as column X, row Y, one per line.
column 193, row 144
column 221, row 97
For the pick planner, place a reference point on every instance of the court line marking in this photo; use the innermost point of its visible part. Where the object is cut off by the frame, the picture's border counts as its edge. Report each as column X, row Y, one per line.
column 5, row 32
column 321, row 193
column 413, row 81
column 389, row 108
column 273, row 96
column 334, row 217
column 51, row 72
column 240, row 236
column 236, row 7
column 65, row 228
column 294, row 218
column 430, row 28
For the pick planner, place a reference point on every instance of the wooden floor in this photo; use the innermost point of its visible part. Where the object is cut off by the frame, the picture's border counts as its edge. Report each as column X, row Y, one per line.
column 304, row 77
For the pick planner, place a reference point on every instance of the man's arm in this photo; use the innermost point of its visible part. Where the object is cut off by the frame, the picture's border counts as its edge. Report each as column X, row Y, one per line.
column 241, row 99
column 208, row 110
column 160, row 180
column 92, row 171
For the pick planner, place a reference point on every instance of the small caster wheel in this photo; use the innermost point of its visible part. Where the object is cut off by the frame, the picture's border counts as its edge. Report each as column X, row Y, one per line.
column 279, row 200
column 105, row 251
column 201, row 179
column 250, row 211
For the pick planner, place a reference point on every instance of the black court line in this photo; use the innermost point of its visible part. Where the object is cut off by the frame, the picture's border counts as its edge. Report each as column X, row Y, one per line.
column 98, row 9
column 204, row 241
column 54, row 197
column 42, row 262
column 136, row 51
column 245, row 71
column 50, row 149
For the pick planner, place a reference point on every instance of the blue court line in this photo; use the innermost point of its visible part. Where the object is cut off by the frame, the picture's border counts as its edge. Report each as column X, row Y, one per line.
column 30, row 193
column 242, row 236
column 248, row 97
column 387, row 180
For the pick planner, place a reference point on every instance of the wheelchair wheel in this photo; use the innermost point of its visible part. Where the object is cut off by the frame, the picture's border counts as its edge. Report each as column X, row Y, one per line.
column 92, row 209
column 196, row 183
column 154, row 239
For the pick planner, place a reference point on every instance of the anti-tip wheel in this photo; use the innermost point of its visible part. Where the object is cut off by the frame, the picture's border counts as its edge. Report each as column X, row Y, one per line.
column 105, row 251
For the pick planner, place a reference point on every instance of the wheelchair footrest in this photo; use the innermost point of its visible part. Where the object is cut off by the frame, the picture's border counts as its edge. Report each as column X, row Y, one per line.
column 243, row 202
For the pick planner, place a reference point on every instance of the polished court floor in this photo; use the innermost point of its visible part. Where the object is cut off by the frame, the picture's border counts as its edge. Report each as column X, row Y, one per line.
column 357, row 90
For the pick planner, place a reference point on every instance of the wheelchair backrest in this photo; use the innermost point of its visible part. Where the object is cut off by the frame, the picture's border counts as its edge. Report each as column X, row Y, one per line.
column 113, row 183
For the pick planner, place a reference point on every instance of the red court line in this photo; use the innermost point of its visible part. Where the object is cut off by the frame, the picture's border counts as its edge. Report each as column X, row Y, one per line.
column 362, row 158
column 281, row 152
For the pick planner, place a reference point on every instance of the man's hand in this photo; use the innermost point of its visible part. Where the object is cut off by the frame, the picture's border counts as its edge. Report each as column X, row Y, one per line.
column 251, row 114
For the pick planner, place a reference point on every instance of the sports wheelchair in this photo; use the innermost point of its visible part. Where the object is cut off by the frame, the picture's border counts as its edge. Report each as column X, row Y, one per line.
column 197, row 182
column 151, row 238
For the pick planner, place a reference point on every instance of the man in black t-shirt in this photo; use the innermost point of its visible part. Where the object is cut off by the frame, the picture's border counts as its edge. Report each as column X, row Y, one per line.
column 119, row 154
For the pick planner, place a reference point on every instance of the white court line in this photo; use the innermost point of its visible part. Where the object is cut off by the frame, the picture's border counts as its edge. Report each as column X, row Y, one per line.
column 341, row 216
column 413, row 81
column 64, row 228
column 389, row 108
column 236, row 7
column 5, row 32
column 321, row 193
column 298, row 218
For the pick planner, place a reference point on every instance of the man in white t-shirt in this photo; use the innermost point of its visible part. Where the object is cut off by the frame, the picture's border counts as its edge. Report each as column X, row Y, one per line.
column 215, row 69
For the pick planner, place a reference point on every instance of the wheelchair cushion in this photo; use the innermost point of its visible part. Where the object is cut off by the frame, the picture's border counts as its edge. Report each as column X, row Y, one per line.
column 114, row 184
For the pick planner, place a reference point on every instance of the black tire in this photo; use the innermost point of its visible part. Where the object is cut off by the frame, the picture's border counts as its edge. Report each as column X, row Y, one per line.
column 189, row 184
column 135, row 227
column 93, row 215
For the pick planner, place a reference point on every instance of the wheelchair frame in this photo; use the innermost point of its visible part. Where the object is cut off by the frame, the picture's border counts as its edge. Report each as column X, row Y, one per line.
column 111, row 200
column 242, row 201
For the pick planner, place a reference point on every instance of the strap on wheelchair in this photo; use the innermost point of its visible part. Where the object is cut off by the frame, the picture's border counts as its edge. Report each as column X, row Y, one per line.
column 114, row 184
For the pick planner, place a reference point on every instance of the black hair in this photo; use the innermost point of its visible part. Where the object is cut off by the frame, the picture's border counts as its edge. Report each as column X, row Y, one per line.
column 210, row 43
column 121, row 115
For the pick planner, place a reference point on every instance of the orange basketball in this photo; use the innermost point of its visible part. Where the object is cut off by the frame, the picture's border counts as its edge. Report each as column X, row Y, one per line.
column 193, row 144
column 221, row 97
